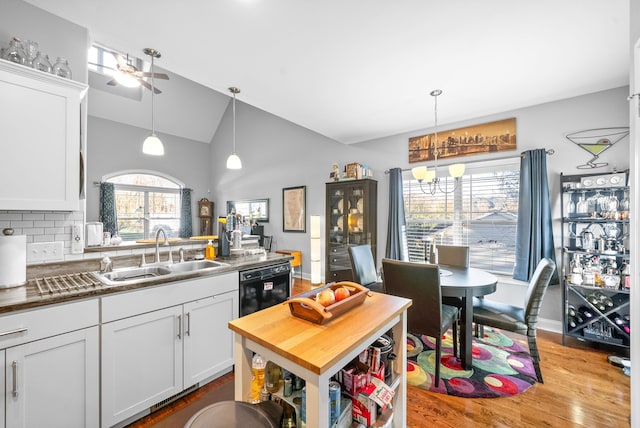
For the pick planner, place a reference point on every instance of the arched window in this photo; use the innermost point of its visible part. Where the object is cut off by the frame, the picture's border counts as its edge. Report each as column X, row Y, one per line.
column 146, row 202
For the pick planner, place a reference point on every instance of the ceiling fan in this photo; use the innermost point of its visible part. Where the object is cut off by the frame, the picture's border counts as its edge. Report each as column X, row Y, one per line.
column 128, row 74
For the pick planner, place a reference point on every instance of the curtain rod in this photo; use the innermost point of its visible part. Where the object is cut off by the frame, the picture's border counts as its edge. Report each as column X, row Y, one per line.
column 548, row 151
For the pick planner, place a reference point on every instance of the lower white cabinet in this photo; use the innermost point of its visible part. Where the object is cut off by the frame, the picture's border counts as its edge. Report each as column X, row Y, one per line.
column 53, row 382
column 151, row 356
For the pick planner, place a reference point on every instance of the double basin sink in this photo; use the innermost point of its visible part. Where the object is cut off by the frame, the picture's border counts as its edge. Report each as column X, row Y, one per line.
column 137, row 274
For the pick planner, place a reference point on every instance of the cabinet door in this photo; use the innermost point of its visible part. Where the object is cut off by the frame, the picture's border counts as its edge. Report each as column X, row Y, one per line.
column 54, row 382
column 41, row 132
column 141, row 362
column 208, row 341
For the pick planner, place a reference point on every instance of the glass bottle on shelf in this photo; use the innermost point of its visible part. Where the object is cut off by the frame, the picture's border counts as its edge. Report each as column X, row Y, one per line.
column 31, row 51
column 571, row 207
column 272, row 375
column 257, row 380
column 576, row 270
column 625, row 277
column 582, row 207
column 61, row 68
column 15, row 52
column 42, row 63
column 588, row 277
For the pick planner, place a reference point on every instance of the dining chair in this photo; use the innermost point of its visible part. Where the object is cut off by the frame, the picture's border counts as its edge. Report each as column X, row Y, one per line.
column 521, row 320
column 420, row 282
column 363, row 267
column 451, row 255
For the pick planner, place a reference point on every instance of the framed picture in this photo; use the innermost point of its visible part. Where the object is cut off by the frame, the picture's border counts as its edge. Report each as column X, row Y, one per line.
column 254, row 209
column 294, row 209
column 489, row 137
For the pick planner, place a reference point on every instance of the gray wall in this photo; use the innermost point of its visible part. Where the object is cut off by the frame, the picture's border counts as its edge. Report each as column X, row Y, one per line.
column 277, row 154
column 114, row 147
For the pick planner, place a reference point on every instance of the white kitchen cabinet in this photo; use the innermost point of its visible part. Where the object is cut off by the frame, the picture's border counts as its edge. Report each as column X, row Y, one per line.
column 160, row 341
column 41, row 141
column 50, row 361
column 208, row 343
column 53, row 382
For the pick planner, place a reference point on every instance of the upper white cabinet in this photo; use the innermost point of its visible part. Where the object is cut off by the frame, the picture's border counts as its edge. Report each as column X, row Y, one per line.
column 40, row 137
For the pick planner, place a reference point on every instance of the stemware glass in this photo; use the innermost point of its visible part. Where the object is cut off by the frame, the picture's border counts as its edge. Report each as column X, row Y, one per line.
column 612, row 203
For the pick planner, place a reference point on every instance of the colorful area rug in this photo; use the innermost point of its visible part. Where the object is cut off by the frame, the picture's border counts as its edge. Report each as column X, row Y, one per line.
column 501, row 366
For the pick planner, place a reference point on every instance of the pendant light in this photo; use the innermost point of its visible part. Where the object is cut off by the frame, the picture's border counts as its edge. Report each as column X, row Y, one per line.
column 233, row 161
column 152, row 144
column 422, row 174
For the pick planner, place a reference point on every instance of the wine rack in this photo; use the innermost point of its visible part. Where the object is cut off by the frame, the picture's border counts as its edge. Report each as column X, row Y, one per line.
column 595, row 258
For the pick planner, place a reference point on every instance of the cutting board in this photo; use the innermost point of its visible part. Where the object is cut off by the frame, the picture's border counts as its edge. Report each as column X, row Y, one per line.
column 153, row 241
column 204, row 237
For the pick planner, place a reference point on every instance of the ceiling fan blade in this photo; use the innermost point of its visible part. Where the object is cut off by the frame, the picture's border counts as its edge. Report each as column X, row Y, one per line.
column 112, row 82
column 121, row 61
column 148, row 86
column 155, row 75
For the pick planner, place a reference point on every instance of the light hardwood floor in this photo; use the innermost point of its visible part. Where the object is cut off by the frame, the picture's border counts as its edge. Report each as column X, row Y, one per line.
column 581, row 389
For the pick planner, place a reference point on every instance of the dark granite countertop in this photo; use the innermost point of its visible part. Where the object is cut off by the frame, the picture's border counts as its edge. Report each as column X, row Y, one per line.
column 29, row 296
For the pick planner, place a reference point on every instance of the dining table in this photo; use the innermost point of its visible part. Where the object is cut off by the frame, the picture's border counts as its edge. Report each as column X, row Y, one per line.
column 466, row 283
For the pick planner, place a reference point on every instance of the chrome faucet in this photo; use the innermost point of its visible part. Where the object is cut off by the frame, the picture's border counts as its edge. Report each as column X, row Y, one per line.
column 181, row 253
column 166, row 242
column 106, row 265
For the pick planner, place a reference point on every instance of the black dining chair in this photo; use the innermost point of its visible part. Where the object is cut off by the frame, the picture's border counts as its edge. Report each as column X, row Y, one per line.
column 451, row 255
column 521, row 320
column 420, row 282
column 363, row 267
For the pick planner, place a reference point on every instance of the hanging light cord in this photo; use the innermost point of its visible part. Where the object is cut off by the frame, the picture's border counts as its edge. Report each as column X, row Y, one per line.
column 234, row 122
column 435, row 94
column 153, row 128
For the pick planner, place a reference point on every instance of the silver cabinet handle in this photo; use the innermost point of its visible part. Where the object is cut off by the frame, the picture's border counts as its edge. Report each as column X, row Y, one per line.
column 16, row 331
column 179, row 326
column 188, row 331
column 14, row 366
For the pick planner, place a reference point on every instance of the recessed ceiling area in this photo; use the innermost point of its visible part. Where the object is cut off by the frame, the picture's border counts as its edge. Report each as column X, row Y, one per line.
column 363, row 69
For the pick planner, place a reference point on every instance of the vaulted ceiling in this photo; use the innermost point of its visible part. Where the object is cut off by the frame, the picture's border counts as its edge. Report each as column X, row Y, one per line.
column 362, row 69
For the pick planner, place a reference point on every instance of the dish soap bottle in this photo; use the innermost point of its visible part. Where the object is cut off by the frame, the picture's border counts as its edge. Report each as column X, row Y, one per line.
column 210, row 251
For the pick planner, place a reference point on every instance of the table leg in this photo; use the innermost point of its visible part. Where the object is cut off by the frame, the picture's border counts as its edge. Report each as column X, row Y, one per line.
column 466, row 330
column 242, row 369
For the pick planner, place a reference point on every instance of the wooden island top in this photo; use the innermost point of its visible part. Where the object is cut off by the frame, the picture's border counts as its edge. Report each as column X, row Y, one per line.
column 318, row 351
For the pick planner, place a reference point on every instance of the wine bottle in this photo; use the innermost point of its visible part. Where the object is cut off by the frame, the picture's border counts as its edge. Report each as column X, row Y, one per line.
column 571, row 322
column 586, row 313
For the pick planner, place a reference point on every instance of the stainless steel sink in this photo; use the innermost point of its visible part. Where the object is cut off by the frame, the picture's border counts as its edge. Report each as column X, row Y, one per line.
column 194, row 265
column 137, row 274
column 133, row 274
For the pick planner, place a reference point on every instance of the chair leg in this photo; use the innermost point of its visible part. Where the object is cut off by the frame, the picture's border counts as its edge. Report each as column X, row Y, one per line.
column 535, row 355
column 454, row 327
column 437, row 362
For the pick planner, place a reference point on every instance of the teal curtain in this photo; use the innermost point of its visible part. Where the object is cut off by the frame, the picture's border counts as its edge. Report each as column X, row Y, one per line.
column 186, row 224
column 534, row 234
column 396, row 226
column 107, row 210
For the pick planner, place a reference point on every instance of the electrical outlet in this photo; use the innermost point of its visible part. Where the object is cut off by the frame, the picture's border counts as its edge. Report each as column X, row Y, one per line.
column 45, row 251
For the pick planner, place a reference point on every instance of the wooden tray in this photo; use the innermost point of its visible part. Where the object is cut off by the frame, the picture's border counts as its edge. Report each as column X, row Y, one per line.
column 304, row 305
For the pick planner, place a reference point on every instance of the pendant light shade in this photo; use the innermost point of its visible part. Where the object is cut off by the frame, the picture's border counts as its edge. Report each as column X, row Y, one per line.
column 233, row 161
column 152, row 144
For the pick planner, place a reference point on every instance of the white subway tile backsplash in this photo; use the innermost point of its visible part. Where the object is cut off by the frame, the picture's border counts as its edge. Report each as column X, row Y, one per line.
column 33, row 216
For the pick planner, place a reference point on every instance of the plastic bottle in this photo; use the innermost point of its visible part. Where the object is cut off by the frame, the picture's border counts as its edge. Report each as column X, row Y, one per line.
column 257, row 380
column 210, row 251
column 272, row 377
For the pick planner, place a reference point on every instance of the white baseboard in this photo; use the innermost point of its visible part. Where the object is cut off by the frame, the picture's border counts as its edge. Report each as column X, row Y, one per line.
column 553, row 326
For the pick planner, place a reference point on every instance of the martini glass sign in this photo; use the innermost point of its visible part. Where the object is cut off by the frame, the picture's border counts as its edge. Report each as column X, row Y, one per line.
column 596, row 141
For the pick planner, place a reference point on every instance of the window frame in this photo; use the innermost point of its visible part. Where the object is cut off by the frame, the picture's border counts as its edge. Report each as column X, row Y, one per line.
column 418, row 246
column 146, row 190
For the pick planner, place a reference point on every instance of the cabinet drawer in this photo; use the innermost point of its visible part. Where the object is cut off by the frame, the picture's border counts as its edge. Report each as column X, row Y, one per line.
column 27, row 326
column 149, row 299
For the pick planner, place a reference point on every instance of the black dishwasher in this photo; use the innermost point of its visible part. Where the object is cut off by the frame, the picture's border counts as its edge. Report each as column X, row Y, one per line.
column 263, row 287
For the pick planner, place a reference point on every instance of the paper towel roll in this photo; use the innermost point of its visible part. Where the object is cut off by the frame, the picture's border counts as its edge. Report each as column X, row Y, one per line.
column 13, row 260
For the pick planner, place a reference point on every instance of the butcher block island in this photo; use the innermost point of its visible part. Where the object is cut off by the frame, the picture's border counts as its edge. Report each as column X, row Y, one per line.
column 316, row 352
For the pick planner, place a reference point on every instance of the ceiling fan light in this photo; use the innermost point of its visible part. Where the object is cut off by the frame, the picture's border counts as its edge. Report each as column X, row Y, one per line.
column 234, row 162
column 126, row 79
column 153, row 146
